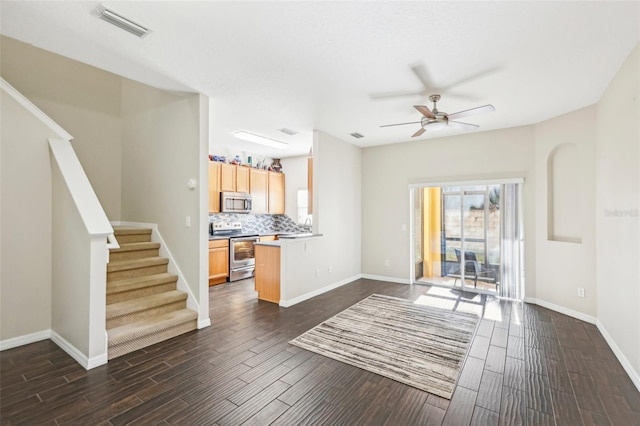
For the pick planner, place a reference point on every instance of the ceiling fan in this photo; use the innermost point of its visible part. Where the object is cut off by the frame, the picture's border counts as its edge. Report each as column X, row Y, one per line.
column 434, row 119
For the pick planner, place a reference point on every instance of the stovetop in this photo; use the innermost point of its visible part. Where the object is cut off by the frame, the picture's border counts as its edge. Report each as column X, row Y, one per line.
column 228, row 230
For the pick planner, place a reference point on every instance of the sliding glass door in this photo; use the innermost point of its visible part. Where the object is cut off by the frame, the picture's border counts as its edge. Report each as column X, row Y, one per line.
column 458, row 236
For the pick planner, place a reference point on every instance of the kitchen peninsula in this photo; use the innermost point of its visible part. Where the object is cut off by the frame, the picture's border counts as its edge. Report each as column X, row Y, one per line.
column 271, row 272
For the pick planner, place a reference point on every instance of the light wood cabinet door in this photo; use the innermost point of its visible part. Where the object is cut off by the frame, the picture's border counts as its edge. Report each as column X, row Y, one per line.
column 276, row 193
column 218, row 261
column 259, row 189
column 214, row 187
column 242, row 179
column 267, row 238
column 267, row 279
column 227, row 177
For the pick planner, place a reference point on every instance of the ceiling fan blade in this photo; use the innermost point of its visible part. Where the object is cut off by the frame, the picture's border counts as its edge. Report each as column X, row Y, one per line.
column 470, row 78
column 421, row 72
column 472, row 111
column 424, row 111
column 461, row 125
column 418, row 133
column 400, row 124
column 391, row 95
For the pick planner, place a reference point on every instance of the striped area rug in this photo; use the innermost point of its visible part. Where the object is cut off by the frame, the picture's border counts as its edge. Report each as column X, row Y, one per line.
column 418, row 345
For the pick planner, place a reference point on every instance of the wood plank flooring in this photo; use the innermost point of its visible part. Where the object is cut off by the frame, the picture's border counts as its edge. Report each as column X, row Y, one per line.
column 526, row 366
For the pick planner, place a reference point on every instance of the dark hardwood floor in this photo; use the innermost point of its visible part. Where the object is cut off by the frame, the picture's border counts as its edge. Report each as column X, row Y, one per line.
column 526, row 366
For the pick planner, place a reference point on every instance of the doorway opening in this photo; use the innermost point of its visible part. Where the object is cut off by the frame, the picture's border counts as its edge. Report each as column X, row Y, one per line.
column 469, row 236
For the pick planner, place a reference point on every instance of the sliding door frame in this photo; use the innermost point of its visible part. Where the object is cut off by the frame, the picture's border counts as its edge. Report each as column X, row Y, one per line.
column 419, row 186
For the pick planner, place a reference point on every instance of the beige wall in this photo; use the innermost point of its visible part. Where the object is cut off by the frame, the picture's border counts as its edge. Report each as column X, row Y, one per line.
column 161, row 152
column 388, row 171
column 25, row 222
column 82, row 99
column 564, row 266
column 165, row 150
column 617, row 211
column 306, row 264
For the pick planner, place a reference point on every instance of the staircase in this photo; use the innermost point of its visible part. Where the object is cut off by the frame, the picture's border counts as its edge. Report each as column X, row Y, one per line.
column 143, row 305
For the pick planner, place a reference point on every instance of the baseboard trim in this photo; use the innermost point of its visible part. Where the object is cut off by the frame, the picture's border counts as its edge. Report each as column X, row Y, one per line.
column 388, row 279
column 203, row 323
column 306, row 296
column 73, row 352
column 26, row 339
column 561, row 309
column 628, row 368
column 633, row 375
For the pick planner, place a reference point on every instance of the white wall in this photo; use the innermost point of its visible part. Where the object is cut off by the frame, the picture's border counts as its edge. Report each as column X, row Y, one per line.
column 337, row 195
column 388, row 171
column 25, row 222
column 617, row 212
column 561, row 266
column 295, row 170
column 162, row 150
column 82, row 99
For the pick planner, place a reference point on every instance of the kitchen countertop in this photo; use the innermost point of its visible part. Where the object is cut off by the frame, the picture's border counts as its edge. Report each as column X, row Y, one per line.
column 284, row 235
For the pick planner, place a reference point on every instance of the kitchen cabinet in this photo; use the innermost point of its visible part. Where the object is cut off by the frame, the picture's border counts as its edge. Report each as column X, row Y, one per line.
column 234, row 178
column 228, row 177
column 214, row 187
column 267, row 238
column 267, row 275
column 218, row 261
column 259, row 189
column 276, row 193
column 242, row 179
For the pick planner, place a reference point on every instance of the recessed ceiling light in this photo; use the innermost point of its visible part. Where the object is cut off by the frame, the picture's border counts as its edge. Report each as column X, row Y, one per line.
column 262, row 140
column 120, row 21
column 356, row 135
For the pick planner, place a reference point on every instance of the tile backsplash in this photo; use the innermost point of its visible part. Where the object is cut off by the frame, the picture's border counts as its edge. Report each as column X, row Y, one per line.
column 259, row 223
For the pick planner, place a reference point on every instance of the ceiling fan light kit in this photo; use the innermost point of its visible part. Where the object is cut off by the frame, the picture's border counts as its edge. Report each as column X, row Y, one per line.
column 432, row 119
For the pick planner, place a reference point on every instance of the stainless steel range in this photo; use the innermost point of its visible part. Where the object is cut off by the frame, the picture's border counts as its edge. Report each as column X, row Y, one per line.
column 242, row 261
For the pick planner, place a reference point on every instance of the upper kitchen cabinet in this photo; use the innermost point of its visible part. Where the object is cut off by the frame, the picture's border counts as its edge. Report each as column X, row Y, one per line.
column 276, row 193
column 214, row 187
column 242, row 179
column 259, row 189
column 227, row 177
column 234, row 178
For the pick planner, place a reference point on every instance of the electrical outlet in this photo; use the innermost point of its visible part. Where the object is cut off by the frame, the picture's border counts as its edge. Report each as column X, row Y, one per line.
column 386, row 263
column 330, row 269
column 580, row 292
column 187, row 221
column 317, row 272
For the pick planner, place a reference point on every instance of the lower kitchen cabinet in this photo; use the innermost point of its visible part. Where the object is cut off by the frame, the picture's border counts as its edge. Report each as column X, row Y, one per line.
column 218, row 261
column 267, row 279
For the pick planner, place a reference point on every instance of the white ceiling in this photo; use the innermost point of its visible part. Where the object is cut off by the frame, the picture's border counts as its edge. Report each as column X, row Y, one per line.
column 308, row 65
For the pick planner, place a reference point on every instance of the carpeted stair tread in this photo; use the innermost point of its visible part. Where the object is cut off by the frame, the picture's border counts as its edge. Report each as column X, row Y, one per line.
column 135, row 283
column 143, row 328
column 123, row 265
column 143, row 303
column 136, row 246
column 130, row 230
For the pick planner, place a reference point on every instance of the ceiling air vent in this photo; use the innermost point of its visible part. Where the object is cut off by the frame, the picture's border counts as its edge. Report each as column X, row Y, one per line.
column 122, row 22
column 357, row 135
column 288, row 131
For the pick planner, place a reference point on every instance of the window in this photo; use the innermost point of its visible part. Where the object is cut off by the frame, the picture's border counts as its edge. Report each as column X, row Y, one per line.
column 304, row 218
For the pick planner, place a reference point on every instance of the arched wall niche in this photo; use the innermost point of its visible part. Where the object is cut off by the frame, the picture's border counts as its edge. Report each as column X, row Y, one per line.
column 564, row 195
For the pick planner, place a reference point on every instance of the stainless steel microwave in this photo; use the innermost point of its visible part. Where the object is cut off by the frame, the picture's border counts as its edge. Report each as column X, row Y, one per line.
column 235, row 202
